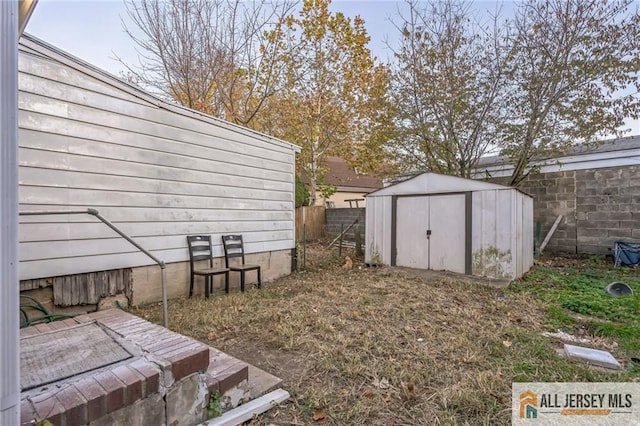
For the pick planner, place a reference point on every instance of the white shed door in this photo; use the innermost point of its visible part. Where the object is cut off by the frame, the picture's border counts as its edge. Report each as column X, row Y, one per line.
column 430, row 232
column 412, row 222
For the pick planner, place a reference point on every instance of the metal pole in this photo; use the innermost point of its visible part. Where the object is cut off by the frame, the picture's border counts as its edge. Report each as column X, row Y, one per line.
column 304, row 246
column 9, row 287
column 97, row 214
column 165, row 314
column 340, row 244
column 163, row 267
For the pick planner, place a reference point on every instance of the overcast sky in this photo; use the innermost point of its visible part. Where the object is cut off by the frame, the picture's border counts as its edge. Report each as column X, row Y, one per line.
column 92, row 30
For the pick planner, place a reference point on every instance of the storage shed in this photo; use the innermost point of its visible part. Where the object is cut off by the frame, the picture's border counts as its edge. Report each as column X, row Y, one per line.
column 440, row 222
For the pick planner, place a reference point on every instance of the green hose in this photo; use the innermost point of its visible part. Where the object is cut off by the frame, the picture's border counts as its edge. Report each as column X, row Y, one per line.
column 44, row 317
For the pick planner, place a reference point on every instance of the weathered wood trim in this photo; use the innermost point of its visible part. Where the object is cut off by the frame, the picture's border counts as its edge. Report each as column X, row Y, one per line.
column 84, row 289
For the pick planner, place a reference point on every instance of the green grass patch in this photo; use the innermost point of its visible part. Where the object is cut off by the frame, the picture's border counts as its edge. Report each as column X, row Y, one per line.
column 575, row 296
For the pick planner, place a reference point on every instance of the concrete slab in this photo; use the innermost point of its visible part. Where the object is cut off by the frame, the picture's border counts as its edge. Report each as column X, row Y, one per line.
column 592, row 356
column 261, row 382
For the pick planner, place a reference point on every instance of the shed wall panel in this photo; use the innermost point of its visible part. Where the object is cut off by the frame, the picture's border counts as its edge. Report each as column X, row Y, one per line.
column 493, row 245
column 378, row 235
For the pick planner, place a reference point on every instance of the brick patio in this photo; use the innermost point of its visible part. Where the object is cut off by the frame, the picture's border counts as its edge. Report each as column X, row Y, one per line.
column 167, row 381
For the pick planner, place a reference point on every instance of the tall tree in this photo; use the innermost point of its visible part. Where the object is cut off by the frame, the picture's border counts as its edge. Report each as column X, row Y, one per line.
column 573, row 77
column 335, row 92
column 448, row 80
column 210, row 55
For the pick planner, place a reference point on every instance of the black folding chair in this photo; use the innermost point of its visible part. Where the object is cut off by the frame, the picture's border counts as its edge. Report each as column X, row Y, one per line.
column 200, row 249
column 233, row 247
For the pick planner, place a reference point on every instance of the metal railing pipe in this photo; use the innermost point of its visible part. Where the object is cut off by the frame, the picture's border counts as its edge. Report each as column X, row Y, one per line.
column 102, row 219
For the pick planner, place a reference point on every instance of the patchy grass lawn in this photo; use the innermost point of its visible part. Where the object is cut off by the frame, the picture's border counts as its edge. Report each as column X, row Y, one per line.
column 573, row 292
column 383, row 347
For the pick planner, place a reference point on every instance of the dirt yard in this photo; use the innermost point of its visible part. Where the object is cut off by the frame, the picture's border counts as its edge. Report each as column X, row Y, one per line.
column 382, row 346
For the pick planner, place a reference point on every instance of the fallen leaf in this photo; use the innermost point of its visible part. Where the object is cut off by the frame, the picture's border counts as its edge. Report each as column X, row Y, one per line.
column 368, row 394
column 212, row 336
column 507, row 343
column 355, row 314
column 318, row 415
column 410, row 387
column 382, row 383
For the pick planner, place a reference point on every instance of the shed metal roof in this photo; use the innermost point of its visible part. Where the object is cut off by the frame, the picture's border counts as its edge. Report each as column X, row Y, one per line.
column 434, row 183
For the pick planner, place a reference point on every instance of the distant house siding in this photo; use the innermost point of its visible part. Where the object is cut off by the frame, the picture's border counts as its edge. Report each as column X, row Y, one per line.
column 158, row 174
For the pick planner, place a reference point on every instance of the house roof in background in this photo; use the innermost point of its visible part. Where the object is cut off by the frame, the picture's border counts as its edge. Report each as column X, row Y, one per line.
column 345, row 178
column 611, row 145
column 610, row 153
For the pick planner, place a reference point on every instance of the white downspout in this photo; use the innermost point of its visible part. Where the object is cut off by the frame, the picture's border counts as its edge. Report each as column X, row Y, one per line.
column 9, row 288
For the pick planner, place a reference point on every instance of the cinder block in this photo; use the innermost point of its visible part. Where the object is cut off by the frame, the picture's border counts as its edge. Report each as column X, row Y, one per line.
column 591, row 249
column 623, row 198
column 586, row 192
column 619, row 233
column 566, row 196
column 591, row 232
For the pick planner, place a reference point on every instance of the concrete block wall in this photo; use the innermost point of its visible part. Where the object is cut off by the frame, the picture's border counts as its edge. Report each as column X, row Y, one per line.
column 599, row 206
column 555, row 194
column 344, row 216
column 608, row 207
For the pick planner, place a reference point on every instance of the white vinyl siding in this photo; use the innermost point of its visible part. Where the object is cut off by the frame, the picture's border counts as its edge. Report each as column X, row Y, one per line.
column 158, row 171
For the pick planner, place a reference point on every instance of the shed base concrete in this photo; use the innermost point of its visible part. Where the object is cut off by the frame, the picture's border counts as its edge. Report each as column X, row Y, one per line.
column 451, row 276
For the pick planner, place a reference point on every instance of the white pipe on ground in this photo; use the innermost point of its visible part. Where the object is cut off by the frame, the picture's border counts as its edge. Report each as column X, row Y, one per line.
column 249, row 410
column 9, row 288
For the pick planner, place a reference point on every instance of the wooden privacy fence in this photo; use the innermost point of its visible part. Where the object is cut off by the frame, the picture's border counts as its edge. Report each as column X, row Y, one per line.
column 314, row 219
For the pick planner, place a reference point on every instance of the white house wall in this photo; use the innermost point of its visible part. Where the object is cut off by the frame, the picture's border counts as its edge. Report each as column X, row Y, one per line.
column 156, row 171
